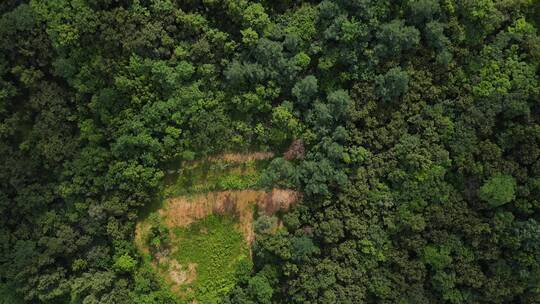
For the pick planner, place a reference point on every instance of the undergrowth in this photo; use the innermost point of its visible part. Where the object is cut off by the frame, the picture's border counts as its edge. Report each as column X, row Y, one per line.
column 214, row 244
column 207, row 176
column 219, row 251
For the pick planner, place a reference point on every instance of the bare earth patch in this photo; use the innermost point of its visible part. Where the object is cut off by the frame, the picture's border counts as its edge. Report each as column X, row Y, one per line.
column 140, row 232
column 180, row 274
column 182, row 211
column 175, row 273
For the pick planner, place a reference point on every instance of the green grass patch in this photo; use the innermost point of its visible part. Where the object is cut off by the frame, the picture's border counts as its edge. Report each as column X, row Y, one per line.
column 214, row 244
column 220, row 252
column 207, row 176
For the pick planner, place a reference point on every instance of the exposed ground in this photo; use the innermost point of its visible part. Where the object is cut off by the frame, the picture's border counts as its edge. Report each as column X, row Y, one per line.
column 210, row 213
column 184, row 210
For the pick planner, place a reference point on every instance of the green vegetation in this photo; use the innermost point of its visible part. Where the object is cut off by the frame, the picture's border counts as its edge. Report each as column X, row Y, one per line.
column 498, row 190
column 419, row 122
column 220, row 253
column 207, row 176
column 157, row 238
column 206, row 259
column 8, row 295
column 145, row 283
column 125, row 263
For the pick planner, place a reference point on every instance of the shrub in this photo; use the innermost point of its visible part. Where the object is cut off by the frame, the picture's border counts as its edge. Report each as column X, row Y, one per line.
column 498, row 190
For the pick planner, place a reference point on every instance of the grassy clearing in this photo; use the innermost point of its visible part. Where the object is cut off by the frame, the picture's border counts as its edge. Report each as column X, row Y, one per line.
column 206, row 252
column 209, row 176
column 219, row 252
column 206, row 218
column 202, row 261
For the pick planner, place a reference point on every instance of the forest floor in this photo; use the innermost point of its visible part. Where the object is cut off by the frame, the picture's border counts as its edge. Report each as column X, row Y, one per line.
column 209, row 208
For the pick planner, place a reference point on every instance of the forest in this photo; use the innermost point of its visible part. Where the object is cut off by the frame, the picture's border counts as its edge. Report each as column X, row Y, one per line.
column 407, row 130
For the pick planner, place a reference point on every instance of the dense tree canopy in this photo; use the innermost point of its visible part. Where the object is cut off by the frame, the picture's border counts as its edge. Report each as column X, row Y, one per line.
column 420, row 120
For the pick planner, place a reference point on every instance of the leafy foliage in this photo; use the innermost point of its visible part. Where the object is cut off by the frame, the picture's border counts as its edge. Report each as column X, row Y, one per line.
column 419, row 119
column 498, row 190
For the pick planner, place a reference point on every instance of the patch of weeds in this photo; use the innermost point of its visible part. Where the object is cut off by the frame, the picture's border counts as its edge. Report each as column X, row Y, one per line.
column 210, row 176
column 219, row 251
column 157, row 238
